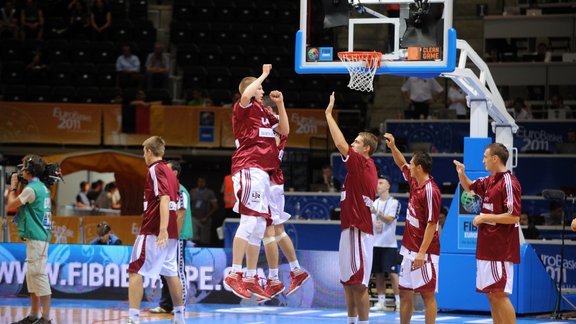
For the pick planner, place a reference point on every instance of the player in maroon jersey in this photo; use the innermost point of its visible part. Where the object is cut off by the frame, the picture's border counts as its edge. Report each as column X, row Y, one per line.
column 256, row 156
column 155, row 249
column 498, row 246
column 357, row 236
column 420, row 242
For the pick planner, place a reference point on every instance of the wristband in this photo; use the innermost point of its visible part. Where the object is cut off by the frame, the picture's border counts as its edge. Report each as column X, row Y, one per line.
column 13, row 189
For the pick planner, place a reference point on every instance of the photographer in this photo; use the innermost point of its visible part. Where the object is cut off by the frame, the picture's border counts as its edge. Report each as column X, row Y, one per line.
column 35, row 227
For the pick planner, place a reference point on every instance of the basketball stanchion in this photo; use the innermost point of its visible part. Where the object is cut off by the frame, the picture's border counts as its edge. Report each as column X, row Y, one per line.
column 362, row 67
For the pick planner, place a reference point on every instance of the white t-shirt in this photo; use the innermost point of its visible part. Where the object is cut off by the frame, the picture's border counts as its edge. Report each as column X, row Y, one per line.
column 27, row 196
column 421, row 90
column 455, row 94
column 386, row 237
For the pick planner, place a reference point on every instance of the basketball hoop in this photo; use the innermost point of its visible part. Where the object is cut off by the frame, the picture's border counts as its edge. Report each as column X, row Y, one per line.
column 362, row 67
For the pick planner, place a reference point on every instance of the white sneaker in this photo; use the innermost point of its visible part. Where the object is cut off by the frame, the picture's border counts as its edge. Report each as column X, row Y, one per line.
column 397, row 307
column 378, row 307
column 177, row 321
column 131, row 321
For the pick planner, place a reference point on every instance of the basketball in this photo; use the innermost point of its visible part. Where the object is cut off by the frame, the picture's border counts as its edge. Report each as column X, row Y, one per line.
column 573, row 225
column 313, row 54
column 470, row 202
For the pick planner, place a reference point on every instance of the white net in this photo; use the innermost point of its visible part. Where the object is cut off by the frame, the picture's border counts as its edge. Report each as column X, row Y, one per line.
column 362, row 67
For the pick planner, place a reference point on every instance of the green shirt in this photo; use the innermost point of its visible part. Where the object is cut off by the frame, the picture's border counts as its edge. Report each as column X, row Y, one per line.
column 186, row 231
column 35, row 219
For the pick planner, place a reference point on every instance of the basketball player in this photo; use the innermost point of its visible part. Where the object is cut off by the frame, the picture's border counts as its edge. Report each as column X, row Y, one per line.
column 498, row 246
column 155, row 249
column 385, row 211
column 356, row 238
column 275, row 234
column 420, row 243
column 255, row 157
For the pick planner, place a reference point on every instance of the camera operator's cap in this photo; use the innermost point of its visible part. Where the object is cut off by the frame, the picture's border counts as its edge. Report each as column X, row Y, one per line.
column 103, row 228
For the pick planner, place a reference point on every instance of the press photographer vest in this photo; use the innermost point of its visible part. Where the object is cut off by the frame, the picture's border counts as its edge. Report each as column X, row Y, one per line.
column 35, row 219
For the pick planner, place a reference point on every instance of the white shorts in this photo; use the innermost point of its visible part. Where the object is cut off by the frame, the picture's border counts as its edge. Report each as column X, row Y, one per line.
column 279, row 216
column 424, row 278
column 494, row 276
column 355, row 254
column 150, row 261
column 252, row 190
column 36, row 275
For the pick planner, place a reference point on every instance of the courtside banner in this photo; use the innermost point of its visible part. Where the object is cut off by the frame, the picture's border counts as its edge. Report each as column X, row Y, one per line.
column 100, row 272
column 50, row 123
column 65, row 230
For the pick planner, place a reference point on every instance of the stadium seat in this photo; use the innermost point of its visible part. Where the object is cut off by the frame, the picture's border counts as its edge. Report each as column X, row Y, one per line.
column 194, row 77
column 55, row 28
column 255, row 57
column 284, row 34
column 264, row 33
column 182, row 10
column 287, row 12
column 118, row 9
column 79, row 51
column 187, row 55
column 87, row 95
column 243, row 33
column 222, row 33
column 218, row 77
column 85, row 75
column 180, row 32
column 61, row 74
column 39, row 93
column 158, row 95
column 15, row 93
column 122, row 31
column 279, row 57
column 312, row 99
column 28, row 48
column 224, row 11
column 209, row 55
column 56, row 51
column 290, row 80
column 245, row 11
column 63, row 94
column 10, row 50
column 233, row 55
column 201, row 33
column 104, row 52
column 106, row 75
column 13, row 72
column 144, row 31
column 291, row 99
column 220, row 96
column 138, row 8
column 203, row 11
column 315, row 83
column 266, row 12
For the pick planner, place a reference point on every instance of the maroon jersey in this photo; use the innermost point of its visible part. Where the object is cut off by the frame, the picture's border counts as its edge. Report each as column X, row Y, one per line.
column 254, row 138
column 358, row 192
column 161, row 181
column 423, row 208
column 277, row 176
column 500, row 193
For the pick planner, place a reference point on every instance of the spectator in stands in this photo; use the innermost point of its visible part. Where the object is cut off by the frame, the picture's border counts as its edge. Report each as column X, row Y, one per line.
column 198, row 97
column 235, row 97
column 8, row 21
column 79, row 23
column 419, row 93
column 95, row 190
column 204, row 207
column 327, row 183
column 100, row 20
column 542, row 53
column 457, row 101
column 142, row 112
column 82, row 200
column 528, row 227
column 157, row 68
column 108, row 198
column 105, row 235
column 36, row 70
column 557, row 109
column 519, row 110
column 128, row 69
column 442, row 219
column 31, row 21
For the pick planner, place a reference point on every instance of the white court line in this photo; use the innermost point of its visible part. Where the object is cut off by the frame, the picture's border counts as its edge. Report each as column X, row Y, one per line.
column 336, row 314
column 488, row 320
column 256, row 323
column 301, row 312
column 447, row 318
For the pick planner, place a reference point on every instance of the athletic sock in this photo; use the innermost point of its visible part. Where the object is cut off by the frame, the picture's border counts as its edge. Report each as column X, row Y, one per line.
column 294, row 265
column 362, row 322
column 236, row 268
column 353, row 320
column 382, row 299
column 134, row 314
column 273, row 274
column 397, row 299
column 179, row 312
column 250, row 273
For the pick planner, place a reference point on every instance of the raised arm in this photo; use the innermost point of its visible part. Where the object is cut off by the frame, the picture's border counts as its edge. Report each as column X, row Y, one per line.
column 464, row 180
column 254, row 86
column 335, row 131
column 396, row 154
column 283, row 124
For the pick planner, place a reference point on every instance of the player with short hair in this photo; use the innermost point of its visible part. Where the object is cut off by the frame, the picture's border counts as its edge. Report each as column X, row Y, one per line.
column 155, row 249
column 275, row 235
column 420, row 243
column 498, row 246
column 385, row 211
column 356, row 238
column 255, row 157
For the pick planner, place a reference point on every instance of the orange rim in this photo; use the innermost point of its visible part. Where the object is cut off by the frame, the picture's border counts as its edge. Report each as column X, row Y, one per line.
column 370, row 57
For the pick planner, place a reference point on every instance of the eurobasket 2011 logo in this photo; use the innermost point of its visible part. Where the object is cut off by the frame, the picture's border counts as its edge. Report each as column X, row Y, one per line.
column 469, row 202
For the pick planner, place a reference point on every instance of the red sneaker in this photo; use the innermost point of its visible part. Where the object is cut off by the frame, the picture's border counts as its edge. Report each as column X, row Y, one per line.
column 273, row 288
column 299, row 277
column 253, row 286
column 233, row 281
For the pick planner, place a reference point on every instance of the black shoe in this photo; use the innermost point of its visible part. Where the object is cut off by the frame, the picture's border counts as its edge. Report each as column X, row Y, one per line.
column 41, row 320
column 26, row 320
